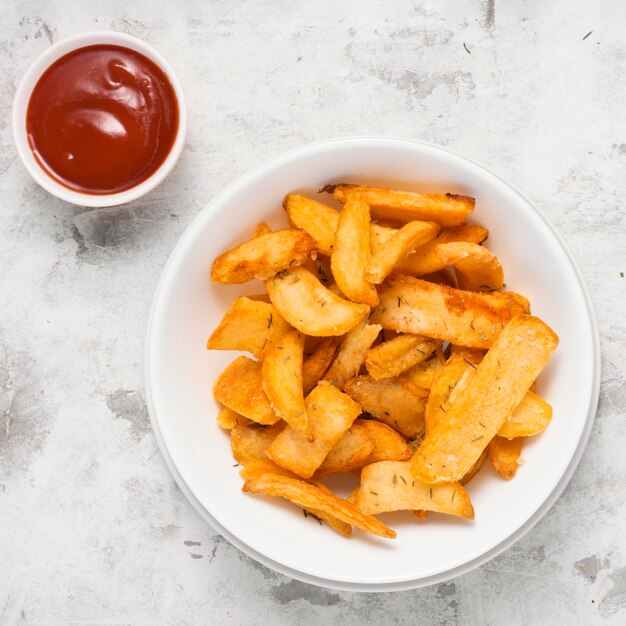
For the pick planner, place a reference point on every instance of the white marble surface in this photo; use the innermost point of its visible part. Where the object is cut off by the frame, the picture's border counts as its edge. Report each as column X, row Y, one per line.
column 92, row 526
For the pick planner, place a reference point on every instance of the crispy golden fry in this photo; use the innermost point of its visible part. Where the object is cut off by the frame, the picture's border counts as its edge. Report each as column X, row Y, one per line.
column 352, row 253
column 395, row 401
column 262, row 228
column 317, row 219
column 389, row 486
column 248, row 325
column 451, row 379
column 406, row 239
column 500, row 382
column 227, row 418
column 530, row 417
column 397, row 355
column 404, row 206
column 477, row 269
column 282, row 381
column 249, row 442
column 317, row 364
column 424, row 373
column 475, row 468
column 352, row 353
column 256, row 469
column 351, row 452
column 419, row 514
column 260, row 297
column 311, row 308
column 263, row 256
column 389, row 446
column 331, row 413
column 411, row 305
column 240, row 388
column 424, row 260
column 305, row 495
column 505, row 455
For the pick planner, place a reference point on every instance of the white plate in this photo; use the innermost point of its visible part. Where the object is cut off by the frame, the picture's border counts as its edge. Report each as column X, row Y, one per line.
column 180, row 373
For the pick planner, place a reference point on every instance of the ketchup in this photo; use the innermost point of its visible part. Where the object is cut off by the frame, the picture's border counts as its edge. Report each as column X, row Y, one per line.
column 102, row 119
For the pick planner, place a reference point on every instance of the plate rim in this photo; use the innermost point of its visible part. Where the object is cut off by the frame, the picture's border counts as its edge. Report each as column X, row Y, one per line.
column 398, row 585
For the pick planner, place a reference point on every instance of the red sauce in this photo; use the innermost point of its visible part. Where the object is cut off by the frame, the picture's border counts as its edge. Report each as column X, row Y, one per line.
column 102, row 119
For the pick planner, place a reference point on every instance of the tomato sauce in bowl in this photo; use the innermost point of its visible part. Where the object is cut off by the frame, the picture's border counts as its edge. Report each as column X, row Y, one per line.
column 102, row 119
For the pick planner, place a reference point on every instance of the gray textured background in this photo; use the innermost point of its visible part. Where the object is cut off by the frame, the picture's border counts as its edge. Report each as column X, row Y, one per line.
column 92, row 527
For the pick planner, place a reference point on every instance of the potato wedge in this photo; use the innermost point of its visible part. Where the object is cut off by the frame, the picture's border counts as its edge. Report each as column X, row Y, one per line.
column 331, row 413
column 263, row 256
column 308, row 496
column 394, row 401
column 317, row 219
column 227, row 418
column 424, row 373
column 424, row 260
column 503, row 377
column 475, row 468
column 397, row 355
column 307, row 305
column 240, row 388
column 352, row 252
column 505, row 455
column 389, row 486
column 404, row 206
column 257, row 467
column 411, row 305
column 389, row 446
column 406, row 239
column 316, row 365
column 352, row 353
column 530, row 417
column 351, row 452
column 249, row 442
column 262, row 228
column 282, row 381
column 477, row 269
column 250, row 326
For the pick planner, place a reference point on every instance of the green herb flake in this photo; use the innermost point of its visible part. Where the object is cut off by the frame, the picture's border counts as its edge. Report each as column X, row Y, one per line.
column 270, row 321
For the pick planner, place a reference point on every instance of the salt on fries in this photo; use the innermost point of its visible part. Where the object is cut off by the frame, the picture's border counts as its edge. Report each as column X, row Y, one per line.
column 384, row 347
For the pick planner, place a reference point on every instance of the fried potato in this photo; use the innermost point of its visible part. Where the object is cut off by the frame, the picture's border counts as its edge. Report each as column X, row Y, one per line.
column 351, row 452
column 397, row 355
column 423, row 373
column 419, row 514
column 352, row 252
column 240, row 388
column 282, row 381
column 311, row 308
column 317, row 364
column 404, row 206
column 442, row 277
column 477, row 269
column 424, row 260
column 250, row 326
column 406, row 239
column 394, row 401
column 505, row 455
column 331, row 413
column 317, row 219
column 320, row 267
column 249, row 442
column 339, row 526
column 389, row 446
column 411, row 305
column 352, row 353
column 500, row 382
column 263, row 256
column 389, row 486
column 262, row 229
column 475, row 468
column 227, row 418
column 257, row 467
column 305, row 495
column 530, row 417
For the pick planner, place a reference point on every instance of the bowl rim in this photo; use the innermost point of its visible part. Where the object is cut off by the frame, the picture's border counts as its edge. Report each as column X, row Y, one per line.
column 401, row 584
column 20, row 107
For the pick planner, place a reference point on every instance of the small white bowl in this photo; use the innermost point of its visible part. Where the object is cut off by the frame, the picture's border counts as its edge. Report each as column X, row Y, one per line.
column 180, row 373
column 20, row 106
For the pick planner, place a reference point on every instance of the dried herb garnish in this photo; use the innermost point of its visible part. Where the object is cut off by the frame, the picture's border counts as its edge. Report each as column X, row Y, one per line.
column 478, row 438
column 270, row 321
column 430, row 491
column 587, row 35
column 399, row 301
column 441, row 407
column 395, row 479
column 374, row 493
column 402, row 479
column 470, row 364
column 466, row 48
column 453, row 494
column 280, row 275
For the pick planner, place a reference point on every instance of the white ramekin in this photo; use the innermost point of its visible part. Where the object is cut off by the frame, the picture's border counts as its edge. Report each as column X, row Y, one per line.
column 20, row 106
